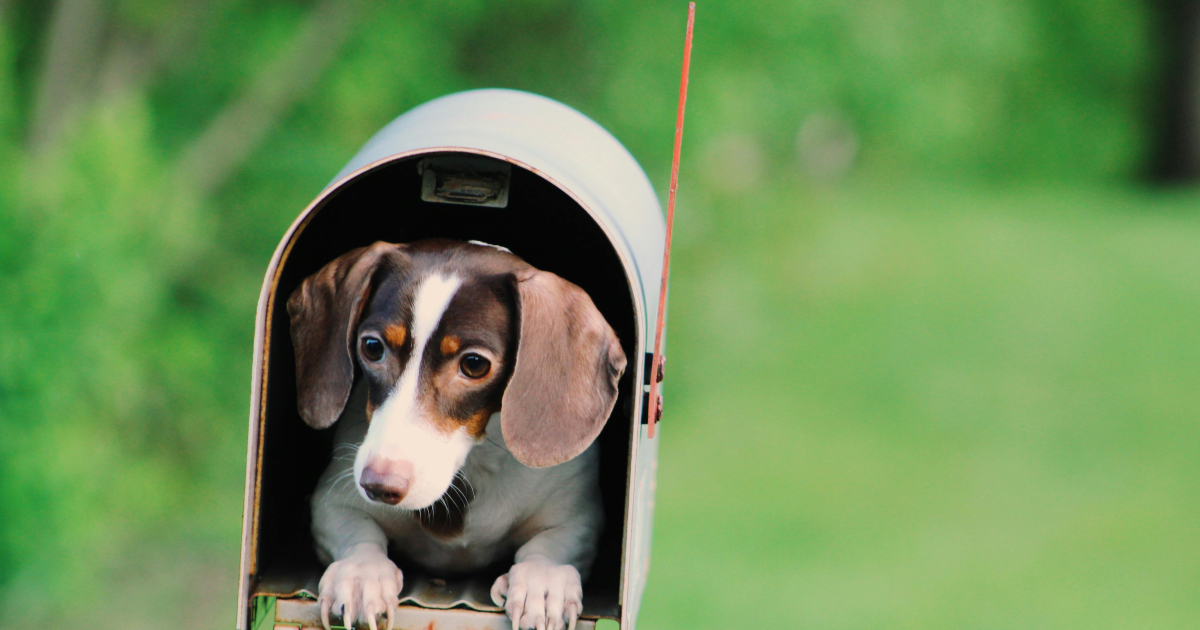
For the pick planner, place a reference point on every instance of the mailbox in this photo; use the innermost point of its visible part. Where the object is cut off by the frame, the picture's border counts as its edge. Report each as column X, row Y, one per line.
column 506, row 168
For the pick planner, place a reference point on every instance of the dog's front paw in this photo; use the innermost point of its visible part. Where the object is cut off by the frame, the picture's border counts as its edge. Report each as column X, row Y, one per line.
column 363, row 585
column 540, row 595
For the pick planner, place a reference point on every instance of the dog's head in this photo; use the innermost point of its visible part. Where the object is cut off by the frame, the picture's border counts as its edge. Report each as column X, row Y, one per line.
column 446, row 334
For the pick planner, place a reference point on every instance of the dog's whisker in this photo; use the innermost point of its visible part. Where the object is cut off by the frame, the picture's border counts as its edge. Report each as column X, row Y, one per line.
column 470, row 486
column 461, row 495
column 347, row 447
column 345, row 478
column 460, row 492
column 337, row 480
column 346, row 452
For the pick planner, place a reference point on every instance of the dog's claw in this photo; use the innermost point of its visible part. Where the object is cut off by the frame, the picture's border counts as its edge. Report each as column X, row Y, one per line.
column 365, row 584
column 500, row 590
column 326, row 604
column 372, row 610
column 538, row 595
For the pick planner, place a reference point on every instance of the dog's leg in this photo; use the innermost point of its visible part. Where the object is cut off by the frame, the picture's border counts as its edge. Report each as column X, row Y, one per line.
column 361, row 581
column 543, row 590
column 540, row 593
column 362, row 585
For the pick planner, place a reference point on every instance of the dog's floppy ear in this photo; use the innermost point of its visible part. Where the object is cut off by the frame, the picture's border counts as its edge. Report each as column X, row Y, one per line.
column 324, row 311
column 564, row 381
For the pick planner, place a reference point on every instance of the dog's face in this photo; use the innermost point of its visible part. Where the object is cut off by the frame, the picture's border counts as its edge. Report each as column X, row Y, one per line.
column 445, row 334
column 433, row 347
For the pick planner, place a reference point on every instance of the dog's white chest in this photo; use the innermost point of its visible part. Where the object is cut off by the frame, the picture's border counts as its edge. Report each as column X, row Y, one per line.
column 510, row 502
column 488, row 532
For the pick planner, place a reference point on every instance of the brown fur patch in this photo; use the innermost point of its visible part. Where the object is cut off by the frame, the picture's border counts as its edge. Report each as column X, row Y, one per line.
column 450, row 345
column 395, row 335
column 324, row 311
column 477, row 423
column 564, row 380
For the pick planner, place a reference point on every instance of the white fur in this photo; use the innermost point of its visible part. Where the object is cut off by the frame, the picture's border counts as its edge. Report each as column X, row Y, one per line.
column 401, row 428
column 482, row 244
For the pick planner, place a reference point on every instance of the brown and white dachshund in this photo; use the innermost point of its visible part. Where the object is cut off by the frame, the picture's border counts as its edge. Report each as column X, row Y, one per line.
column 469, row 436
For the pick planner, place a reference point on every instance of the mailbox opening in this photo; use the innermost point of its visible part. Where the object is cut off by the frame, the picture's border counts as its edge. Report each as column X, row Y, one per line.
column 393, row 202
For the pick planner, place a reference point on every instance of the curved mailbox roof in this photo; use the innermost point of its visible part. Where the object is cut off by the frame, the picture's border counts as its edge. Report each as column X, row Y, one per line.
column 558, row 143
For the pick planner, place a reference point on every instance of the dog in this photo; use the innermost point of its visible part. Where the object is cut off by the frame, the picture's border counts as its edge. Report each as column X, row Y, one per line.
column 469, row 437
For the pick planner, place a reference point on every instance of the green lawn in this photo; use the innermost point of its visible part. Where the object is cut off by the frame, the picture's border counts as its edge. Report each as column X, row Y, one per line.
column 922, row 407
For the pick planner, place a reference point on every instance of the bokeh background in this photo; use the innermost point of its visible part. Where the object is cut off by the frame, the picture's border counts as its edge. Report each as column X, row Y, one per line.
column 935, row 354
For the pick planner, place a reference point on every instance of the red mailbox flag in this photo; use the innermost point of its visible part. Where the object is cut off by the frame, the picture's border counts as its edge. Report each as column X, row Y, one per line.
column 656, row 366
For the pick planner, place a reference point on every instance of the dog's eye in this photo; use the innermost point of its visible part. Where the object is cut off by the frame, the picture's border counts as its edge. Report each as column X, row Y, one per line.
column 474, row 366
column 372, row 348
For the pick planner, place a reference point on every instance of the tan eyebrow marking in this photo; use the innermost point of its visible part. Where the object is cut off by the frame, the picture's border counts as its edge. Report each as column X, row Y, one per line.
column 450, row 344
column 395, row 335
column 477, row 424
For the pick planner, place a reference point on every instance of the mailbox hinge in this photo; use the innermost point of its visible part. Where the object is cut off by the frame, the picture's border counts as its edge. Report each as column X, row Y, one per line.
column 647, row 372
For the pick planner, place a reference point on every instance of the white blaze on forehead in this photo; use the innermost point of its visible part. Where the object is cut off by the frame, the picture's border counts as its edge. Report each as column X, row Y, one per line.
column 400, row 429
column 429, row 304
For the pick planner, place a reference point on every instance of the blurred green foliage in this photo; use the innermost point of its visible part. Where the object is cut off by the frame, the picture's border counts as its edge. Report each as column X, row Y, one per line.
column 951, row 386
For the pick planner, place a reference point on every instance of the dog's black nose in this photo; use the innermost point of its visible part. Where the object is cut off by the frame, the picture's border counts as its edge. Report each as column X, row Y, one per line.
column 386, row 480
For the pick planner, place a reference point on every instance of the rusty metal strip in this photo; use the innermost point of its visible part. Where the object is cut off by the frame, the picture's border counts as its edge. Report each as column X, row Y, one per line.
column 420, row 589
column 656, row 376
column 307, row 614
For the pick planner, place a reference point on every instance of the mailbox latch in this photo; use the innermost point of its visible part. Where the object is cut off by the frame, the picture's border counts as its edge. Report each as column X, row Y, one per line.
column 470, row 180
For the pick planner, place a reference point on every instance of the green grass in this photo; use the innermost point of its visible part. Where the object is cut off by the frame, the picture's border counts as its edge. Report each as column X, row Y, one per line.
column 904, row 406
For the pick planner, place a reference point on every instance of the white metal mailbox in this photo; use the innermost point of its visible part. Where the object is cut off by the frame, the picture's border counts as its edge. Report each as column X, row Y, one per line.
column 503, row 167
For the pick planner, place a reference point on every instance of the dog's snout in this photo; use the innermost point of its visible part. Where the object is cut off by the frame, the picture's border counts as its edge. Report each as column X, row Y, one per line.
column 387, row 480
